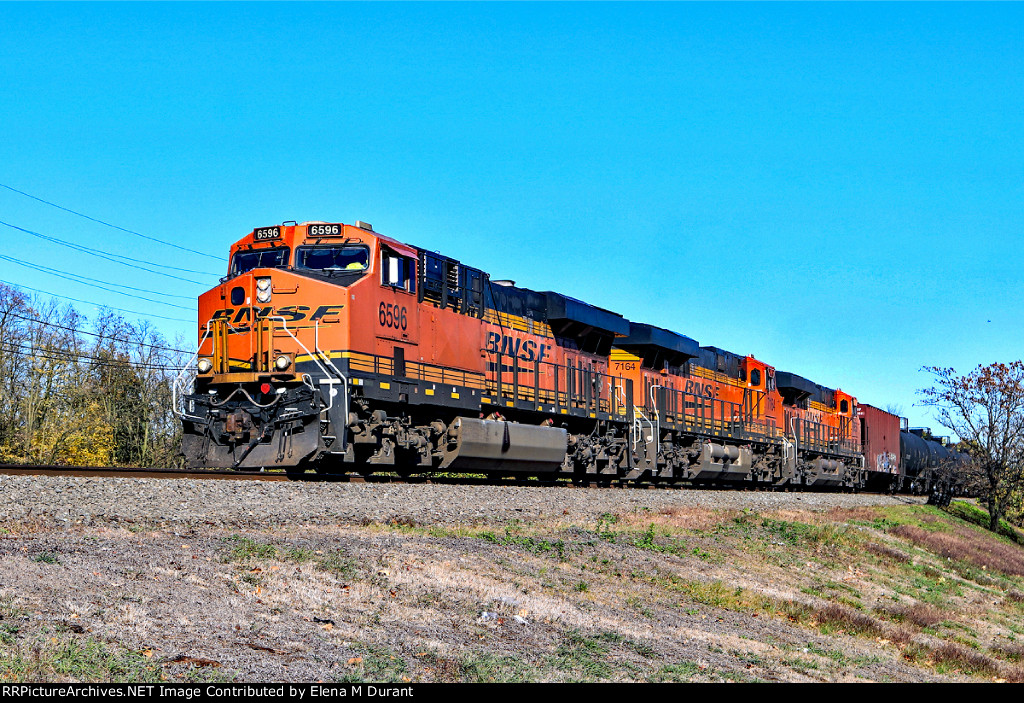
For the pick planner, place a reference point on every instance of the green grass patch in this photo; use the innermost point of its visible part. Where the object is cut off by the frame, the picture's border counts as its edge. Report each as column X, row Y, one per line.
column 491, row 668
column 337, row 562
column 583, row 657
column 246, row 549
column 604, row 525
column 969, row 512
column 541, row 547
column 375, row 664
column 681, row 672
column 55, row 659
column 8, row 633
column 801, row 534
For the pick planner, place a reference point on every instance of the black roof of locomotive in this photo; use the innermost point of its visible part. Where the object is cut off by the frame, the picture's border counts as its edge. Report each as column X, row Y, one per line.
column 796, row 385
column 644, row 335
column 574, row 322
column 658, row 346
column 563, row 307
column 720, row 360
column 795, row 388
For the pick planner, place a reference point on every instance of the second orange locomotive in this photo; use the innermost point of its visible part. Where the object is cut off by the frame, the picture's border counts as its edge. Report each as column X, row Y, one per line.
column 333, row 347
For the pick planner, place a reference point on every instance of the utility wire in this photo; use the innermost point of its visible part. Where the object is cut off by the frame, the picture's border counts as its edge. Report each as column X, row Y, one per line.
column 28, row 348
column 93, row 219
column 74, row 277
column 52, row 355
column 100, row 305
column 110, row 256
column 94, row 334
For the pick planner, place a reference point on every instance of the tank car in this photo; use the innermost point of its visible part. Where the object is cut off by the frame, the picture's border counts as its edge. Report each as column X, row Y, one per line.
column 332, row 347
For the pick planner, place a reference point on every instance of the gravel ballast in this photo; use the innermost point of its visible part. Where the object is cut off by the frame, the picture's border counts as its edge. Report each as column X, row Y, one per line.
column 190, row 502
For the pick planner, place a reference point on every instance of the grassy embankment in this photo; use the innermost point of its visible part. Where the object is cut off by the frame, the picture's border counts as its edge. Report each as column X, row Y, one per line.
column 895, row 593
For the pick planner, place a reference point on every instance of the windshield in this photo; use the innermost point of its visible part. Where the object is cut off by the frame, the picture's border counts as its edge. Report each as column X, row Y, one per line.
column 337, row 257
column 243, row 261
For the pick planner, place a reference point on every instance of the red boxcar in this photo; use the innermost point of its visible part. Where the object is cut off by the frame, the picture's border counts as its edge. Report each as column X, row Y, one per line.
column 880, row 438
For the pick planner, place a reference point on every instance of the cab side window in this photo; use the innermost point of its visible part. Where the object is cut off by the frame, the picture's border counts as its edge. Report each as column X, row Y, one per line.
column 398, row 271
column 755, row 377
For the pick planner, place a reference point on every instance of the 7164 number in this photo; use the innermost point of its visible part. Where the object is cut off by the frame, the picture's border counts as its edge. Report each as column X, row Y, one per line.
column 393, row 316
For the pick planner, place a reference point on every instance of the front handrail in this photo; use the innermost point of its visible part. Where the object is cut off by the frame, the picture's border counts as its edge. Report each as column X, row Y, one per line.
column 314, row 357
column 178, row 388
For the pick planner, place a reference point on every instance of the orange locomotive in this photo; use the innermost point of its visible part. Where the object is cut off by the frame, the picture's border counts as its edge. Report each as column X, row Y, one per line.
column 333, row 347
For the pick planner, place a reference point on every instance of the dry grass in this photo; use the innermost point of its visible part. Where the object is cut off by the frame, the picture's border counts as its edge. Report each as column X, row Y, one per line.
column 26, row 526
column 967, row 545
column 1015, row 596
column 855, row 622
column 1012, row 651
column 679, row 518
column 951, row 656
column 964, row 659
column 862, row 514
column 919, row 614
column 887, row 552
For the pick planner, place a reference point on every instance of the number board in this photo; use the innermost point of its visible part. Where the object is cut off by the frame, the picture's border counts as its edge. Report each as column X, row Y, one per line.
column 264, row 233
column 324, row 230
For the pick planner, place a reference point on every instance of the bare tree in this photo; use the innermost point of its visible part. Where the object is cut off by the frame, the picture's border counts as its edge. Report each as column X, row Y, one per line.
column 894, row 409
column 985, row 409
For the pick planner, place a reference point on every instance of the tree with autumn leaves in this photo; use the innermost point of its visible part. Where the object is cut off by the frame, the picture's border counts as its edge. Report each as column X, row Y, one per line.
column 985, row 409
column 81, row 392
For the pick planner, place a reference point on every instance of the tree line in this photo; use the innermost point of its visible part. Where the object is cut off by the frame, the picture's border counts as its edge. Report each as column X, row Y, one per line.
column 84, row 393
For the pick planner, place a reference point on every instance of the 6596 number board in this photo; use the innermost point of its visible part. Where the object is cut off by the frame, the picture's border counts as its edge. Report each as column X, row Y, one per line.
column 324, row 230
column 262, row 234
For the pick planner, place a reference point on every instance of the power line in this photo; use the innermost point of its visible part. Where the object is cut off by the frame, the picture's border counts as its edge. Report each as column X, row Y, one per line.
column 99, row 305
column 110, row 256
column 96, row 334
column 83, row 280
column 54, row 271
column 93, row 219
column 54, row 355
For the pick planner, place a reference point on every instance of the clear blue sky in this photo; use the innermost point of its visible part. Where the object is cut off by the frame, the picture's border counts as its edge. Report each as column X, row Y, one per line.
column 835, row 188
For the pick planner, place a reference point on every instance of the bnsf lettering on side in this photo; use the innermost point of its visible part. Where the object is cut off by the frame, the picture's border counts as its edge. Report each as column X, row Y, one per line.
column 527, row 350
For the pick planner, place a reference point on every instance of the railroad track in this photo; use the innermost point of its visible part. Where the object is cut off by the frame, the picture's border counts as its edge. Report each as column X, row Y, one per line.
column 231, row 475
column 133, row 472
column 244, row 475
column 279, row 475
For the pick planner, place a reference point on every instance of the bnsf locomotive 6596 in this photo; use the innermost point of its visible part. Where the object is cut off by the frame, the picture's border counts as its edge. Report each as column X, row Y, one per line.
column 332, row 347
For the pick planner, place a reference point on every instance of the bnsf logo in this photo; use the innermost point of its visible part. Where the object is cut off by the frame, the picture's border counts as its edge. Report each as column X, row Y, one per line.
column 290, row 313
column 708, row 390
column 527, row 350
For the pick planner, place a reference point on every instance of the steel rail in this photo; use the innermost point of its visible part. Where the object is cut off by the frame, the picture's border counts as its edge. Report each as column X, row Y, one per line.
column 313, row 477
column 135, row 472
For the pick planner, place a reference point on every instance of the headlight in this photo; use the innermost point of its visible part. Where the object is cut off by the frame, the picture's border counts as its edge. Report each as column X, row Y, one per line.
column 282, row 362
column 205, row 365
column 263, row 290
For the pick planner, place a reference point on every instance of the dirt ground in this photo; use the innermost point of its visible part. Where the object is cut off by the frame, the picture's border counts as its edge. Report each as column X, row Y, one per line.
column 689, row 594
